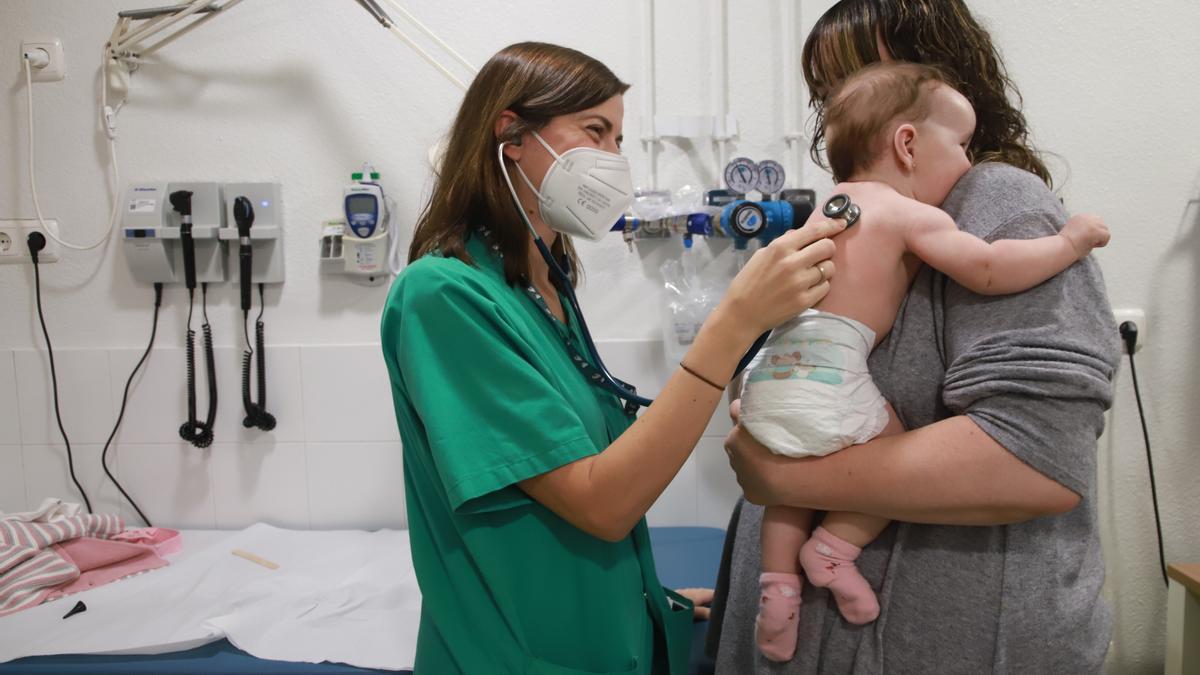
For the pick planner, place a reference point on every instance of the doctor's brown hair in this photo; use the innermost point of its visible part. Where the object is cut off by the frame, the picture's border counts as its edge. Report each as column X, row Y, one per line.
column 538, row 82
column 861, row 110
column 939, row 33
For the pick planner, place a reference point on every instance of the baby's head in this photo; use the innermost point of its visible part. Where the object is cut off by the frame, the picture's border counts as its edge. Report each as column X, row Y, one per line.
column 900, row 122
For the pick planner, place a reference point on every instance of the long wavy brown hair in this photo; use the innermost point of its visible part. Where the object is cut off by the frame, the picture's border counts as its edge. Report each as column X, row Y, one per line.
column 940, row 33
column 538, row 82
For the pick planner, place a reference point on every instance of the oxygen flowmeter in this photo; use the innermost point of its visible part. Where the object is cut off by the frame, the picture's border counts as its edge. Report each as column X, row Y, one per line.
column 764, row 220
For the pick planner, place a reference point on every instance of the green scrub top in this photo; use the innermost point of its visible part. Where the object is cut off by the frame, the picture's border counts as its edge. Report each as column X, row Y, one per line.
column 486, row 396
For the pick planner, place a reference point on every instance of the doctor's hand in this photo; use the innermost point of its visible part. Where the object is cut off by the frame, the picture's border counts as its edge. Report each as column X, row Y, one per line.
column 756, row 466
column 783, row 279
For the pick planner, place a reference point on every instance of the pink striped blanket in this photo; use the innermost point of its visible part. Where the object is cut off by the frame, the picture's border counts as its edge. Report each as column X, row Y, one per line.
column 44, row 560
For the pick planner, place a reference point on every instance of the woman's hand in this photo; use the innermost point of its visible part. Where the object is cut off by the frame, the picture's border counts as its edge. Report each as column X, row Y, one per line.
column 752, row 462
column 701, row 599
column 782, row 279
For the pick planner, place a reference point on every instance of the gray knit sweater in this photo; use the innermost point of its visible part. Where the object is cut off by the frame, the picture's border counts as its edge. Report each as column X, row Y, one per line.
column 1034, row 371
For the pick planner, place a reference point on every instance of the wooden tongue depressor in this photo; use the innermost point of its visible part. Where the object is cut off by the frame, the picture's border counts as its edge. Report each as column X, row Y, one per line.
column 255, row 559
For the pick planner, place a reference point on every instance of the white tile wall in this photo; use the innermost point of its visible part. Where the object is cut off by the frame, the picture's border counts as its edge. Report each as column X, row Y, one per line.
column 172, row 483
column 10, row 414
column 356, row 485
column 84, row 393
column 334, row 460
column 157, row 401
column 260, row 482
column 47, row 475
column 12, row 479
column 347, row 395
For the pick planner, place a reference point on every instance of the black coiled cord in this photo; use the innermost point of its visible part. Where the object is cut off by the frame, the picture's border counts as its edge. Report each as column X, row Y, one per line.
column 256, row 413
column 200, row 434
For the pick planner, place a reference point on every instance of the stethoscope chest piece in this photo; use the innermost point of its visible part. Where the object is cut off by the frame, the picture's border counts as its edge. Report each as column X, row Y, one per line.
column 840, row 206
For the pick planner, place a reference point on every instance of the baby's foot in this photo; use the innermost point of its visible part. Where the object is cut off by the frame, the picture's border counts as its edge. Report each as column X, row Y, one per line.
column 778, row 615
column 828, row 562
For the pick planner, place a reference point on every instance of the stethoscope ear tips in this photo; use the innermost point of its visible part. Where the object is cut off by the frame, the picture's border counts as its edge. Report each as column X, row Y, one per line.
column 840, row 206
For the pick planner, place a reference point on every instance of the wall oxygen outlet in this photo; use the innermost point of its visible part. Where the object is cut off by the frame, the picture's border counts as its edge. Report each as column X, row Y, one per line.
column 1138, row 317
column 14, row 247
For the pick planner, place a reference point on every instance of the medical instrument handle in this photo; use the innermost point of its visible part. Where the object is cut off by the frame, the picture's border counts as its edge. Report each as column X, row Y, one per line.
column 181, row 202
column 243, row 215
column 245, row 263
column 189, row 253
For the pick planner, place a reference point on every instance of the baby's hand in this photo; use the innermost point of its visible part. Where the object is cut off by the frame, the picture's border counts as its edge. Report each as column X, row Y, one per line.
column 1085, row 232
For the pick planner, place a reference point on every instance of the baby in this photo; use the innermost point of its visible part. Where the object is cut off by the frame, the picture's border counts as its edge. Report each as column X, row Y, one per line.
column 897, row 138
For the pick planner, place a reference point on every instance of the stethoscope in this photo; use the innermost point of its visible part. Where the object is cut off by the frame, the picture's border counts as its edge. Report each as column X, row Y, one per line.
column 837, row 206
column 840, row 206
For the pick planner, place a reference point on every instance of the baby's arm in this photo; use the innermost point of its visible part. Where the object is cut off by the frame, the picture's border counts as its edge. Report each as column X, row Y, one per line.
column 1004, row 266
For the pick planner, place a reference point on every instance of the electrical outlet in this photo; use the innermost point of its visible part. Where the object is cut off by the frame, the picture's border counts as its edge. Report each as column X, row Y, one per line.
column 53, row 71
column 14, row 246
column 1138, row 317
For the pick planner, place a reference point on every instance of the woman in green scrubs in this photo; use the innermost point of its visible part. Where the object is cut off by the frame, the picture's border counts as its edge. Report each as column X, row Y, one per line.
column 527, row 485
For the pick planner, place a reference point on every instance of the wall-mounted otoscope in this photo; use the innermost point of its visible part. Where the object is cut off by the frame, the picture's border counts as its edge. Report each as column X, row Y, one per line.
column 199, row 434
column 181, row 202
column 243, row 215
column 256, row 412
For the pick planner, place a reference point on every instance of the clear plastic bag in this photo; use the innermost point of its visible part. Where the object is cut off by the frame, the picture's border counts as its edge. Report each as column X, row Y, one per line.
column 688, row 299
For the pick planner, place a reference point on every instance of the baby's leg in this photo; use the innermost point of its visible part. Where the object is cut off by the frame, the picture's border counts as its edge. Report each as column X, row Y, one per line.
column 784, row 531
column 828, row 556
column 828, row 560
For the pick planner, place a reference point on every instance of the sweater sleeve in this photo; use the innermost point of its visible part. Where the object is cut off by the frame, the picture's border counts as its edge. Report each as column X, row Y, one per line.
column 1034, row 369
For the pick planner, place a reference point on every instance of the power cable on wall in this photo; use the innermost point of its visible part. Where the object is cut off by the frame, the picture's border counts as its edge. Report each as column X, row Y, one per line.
column 1129, row 334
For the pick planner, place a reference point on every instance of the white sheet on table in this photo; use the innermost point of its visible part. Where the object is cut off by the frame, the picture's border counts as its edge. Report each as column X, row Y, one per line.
column 343, row 596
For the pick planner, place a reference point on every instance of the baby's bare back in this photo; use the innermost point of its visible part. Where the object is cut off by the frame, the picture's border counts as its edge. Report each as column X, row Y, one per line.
column 874, row 267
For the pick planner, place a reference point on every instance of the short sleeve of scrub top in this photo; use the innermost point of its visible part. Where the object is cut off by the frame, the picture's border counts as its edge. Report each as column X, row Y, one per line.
column 486, row 396
column 494, row 414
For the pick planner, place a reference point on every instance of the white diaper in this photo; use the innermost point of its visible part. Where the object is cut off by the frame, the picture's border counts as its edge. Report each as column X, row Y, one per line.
column 808, row 392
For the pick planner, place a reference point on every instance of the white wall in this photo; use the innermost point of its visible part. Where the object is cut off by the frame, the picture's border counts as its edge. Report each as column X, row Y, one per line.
column 303, row 92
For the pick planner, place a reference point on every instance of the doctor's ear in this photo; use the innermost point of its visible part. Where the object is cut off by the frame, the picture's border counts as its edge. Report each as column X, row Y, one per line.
column 903, row 142
column 508, row 130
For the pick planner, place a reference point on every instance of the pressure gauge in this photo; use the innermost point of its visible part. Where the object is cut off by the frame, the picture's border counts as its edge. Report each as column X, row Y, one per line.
column 770, row 177
column 741, row 175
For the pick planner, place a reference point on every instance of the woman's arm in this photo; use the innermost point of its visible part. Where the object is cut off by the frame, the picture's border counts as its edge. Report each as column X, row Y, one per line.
column 608, row 493
column 948, row 473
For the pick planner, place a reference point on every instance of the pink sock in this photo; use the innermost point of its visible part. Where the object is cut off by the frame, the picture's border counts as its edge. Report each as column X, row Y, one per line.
column 828, row 562
column 778, row 615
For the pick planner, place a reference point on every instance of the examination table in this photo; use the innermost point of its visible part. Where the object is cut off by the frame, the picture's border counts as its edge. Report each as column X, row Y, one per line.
column 686, row 557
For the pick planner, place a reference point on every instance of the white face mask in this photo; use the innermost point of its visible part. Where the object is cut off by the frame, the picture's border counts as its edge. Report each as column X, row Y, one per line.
column 585, row 191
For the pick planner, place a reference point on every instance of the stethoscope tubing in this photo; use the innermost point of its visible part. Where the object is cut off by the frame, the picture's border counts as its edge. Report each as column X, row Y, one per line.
column 837, row 206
